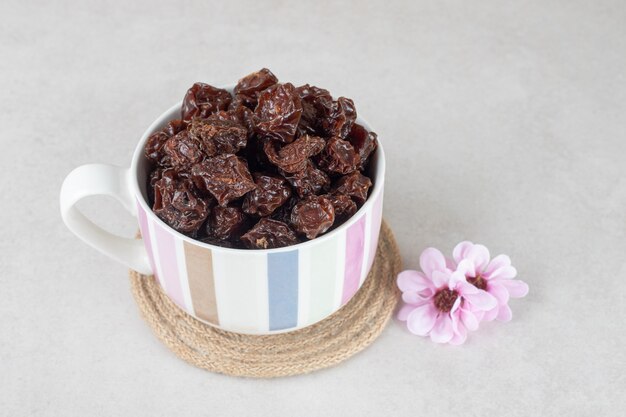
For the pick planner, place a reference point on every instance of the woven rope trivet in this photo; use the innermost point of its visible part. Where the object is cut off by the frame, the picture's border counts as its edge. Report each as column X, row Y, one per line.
column 324, row 344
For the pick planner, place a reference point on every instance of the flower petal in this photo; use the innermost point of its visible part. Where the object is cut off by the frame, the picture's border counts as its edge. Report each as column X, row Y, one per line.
column 410, row 280
column 442, row 330
column 460, row 336
column 515, row 287
column 404, row 311
column 455, row 278
column 461, row 250
column 459, row 330
column 468, row 319
column 481, row 300
column 467, row 268
column 441, row 279
column 450, row 264
column 496, row 289
column 504, row 313
column 500, row 267
column 432, row 260
column 421, row 320
column 479, row 254
column 489, row 315
column 414, row 298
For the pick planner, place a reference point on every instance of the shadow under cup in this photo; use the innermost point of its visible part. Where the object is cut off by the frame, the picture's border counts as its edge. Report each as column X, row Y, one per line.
column 260, row 291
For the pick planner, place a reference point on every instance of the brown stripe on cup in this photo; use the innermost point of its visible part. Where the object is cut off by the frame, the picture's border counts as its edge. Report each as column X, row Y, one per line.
column 201, row 282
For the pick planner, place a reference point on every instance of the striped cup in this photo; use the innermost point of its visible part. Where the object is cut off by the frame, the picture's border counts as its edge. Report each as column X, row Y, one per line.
column 239, row 290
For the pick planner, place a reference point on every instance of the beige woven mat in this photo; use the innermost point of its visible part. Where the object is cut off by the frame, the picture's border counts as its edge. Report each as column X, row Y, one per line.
column 321, row 345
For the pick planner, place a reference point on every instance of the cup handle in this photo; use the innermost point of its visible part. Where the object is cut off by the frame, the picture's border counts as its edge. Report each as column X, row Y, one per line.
column 102, row 179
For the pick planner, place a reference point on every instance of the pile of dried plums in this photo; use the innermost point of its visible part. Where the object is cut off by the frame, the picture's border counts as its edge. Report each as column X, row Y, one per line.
column 269, row 166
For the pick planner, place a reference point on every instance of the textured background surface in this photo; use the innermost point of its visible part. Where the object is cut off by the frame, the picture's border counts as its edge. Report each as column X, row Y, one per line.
column 504, row 123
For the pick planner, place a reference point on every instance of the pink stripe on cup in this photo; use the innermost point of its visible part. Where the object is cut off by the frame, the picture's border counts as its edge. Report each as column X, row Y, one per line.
column 355, row 246
column 169, row 266
column 145, row 235
column 377, row 215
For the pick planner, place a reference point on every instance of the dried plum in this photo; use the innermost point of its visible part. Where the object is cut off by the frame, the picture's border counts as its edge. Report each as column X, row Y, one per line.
column 355, row 185
column 178, row 204
column 363, row 142
column 248, row 88
column 293, row 157
column 226, row 177
column 226, row 223
column 154, row 145
column 313, row 216
column 183, row 150
column 270, row 193
column 339, row 157
column 278, row 113
column 310, row 180
column 306, row 151
column 344, row 206
column 268, row 234
column 202, row 100
column 218, row 134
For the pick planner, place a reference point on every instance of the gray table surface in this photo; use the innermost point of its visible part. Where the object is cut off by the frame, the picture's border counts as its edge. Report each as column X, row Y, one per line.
column 504, row 123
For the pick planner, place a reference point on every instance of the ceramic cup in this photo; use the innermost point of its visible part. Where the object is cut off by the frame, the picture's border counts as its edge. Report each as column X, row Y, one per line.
column 245, row 291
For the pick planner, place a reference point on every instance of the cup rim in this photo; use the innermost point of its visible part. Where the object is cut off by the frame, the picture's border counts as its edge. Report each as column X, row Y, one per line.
column 167, row 116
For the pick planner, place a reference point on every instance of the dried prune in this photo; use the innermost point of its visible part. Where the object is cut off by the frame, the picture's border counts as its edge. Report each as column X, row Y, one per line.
column 339, row 157
column 313, row 216
column 270, row 193
column 202, row 100
column 154, row 145
column 183, row 150
column 178, row 204
column 305, row 149
column 317, row 105
column 354, row 185
column 268, row 234
column 363, row 142
column 278, row 112
column 219, row 135
column 283, row 213
column 226, row 177
column 308, row 181
column 344, row 206
column 293, row 157
column 248, row 88
column 341, row 117
column 226, row 223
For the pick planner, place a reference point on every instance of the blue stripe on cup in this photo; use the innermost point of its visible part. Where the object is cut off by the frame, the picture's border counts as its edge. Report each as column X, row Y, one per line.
column 282, row 278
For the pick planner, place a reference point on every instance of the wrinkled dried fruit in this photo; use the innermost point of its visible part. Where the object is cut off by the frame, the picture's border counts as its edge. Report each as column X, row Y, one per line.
column 308, row 181
column 278, row 112
column 341, row 117
column 154, row 145
column 268, row 234
column 248, row 88
column 344, row 206
column 317, row 105
column 293, row 157
column 226, row 223
column 363, row 142
column 295, row 140
column 339, row 157
column 177, row 202
column 313, row 216
column 270, row 193
column 183, row 150
column 355, row 185
column 202, row 100
column 219, row 135
column 226, row 177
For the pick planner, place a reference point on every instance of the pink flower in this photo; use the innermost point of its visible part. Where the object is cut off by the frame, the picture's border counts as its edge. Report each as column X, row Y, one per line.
column 494, row 276
column 437, row 300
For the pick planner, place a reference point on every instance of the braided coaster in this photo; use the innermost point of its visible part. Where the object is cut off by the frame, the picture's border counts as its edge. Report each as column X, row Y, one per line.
column 324, row 344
